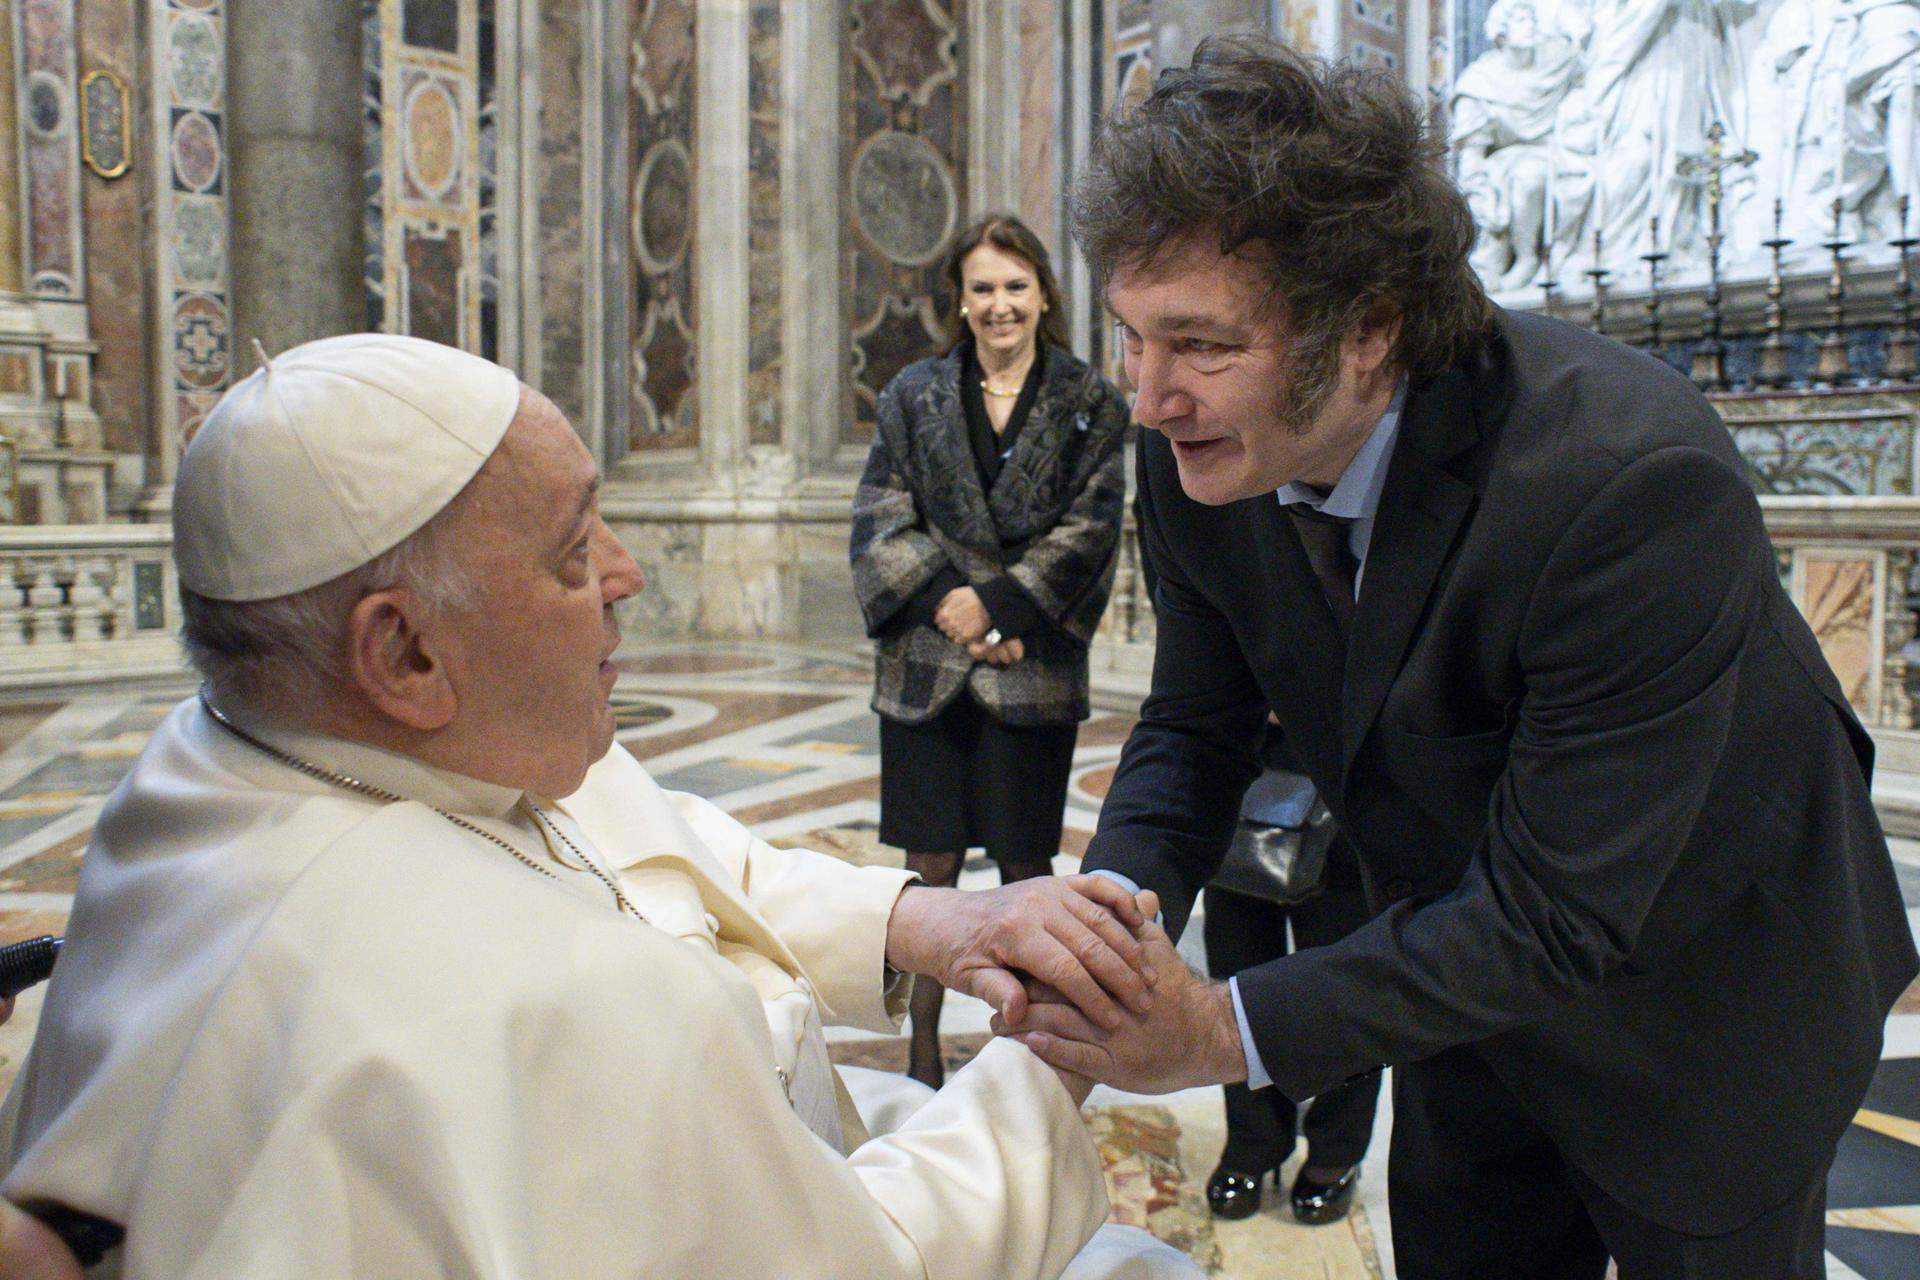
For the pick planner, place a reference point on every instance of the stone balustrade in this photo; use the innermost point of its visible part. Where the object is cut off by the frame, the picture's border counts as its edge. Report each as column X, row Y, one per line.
column 86, row 603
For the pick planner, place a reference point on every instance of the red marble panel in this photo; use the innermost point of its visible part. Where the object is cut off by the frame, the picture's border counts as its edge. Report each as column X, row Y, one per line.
column 124, row 301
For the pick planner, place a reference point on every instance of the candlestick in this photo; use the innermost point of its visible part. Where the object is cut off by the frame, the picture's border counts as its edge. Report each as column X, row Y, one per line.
column 1902, row 345
column 1772, row 370
column 1832, row 367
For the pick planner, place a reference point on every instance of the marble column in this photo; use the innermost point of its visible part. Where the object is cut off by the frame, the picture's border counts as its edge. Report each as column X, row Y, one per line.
column 293, row 125
column 1179, row 25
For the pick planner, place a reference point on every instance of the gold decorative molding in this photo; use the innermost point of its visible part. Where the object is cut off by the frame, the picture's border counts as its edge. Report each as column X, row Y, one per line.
column 119, row 157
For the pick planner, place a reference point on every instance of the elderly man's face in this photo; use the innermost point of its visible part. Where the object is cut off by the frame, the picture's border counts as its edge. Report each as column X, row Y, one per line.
column 1245, row 407
column 531, row 662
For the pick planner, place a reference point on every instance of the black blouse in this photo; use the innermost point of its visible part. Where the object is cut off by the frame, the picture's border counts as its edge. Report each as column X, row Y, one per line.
column 991, row 450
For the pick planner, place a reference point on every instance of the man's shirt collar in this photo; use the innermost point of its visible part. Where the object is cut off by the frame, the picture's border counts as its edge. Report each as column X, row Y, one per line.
column 1357, row 495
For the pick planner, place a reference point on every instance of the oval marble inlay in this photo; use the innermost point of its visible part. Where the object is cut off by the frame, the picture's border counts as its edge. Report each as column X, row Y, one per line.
column 195, row 62
column 903, row 197
column 663, row 206
column 196, row 152
column 433, row 137
column 45, row 102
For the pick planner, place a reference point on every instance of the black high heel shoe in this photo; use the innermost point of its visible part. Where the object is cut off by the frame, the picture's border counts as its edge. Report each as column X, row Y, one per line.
column 1317, row 1203
column 1233, row 1194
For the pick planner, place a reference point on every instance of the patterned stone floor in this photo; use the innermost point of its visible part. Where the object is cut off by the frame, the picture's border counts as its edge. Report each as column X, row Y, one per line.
column 781, row 737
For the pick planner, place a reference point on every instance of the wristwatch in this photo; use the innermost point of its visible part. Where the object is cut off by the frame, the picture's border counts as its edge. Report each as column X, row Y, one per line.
column 992, row 637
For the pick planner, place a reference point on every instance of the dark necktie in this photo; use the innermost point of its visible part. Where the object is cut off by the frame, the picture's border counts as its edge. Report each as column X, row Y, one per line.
column 1325, row 539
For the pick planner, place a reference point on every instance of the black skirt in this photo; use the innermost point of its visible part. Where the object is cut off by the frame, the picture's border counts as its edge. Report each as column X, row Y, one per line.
column 965, row 780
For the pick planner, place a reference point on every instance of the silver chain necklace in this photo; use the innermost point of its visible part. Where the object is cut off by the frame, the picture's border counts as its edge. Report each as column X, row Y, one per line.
column 367, row 789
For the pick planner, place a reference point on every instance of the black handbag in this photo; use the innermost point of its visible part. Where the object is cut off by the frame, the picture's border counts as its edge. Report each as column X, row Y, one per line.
column 1279, row 847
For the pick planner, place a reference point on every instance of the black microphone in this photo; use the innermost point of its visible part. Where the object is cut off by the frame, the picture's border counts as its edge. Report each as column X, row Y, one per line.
column 25, row 964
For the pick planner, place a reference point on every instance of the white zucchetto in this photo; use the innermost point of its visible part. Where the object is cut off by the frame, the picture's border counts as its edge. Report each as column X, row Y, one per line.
column 329, row 455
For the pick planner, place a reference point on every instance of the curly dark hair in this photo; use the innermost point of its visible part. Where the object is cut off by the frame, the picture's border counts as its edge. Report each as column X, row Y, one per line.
column 1331, row 174
column 1009, row 235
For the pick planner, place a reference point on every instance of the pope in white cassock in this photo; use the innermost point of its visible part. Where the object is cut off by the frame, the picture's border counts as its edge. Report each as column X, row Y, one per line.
column 385, row 961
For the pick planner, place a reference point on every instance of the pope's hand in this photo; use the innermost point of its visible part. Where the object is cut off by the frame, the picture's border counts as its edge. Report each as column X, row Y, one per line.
column 1073, row 933
column 1189, row 1036
column 28, row 1251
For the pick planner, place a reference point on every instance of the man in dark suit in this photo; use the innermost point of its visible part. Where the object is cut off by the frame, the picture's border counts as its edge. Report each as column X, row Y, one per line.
column 1506, row 588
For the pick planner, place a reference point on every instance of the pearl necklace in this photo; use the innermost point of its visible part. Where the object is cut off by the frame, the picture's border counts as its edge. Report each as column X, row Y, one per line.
column 322, row 774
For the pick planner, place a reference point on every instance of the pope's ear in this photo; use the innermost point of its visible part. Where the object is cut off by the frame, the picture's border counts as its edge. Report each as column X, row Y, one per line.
column 391, row 659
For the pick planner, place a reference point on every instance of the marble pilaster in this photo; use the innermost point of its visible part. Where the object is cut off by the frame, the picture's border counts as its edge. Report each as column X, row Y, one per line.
column 193, row 334
column 12, row 202
column 722, row 191
column 1041, row 114
column 295, row 131
column 558, row 230
column 993, row 81
column 765, row 288
column 117, row 231
column 46, row 106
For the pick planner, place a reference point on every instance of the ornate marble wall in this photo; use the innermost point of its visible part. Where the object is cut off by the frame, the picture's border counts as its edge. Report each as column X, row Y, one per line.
column 47, row 83
column 116, row 229
column 187, row 45
column 905, row 135
column 431, row 122
column 661, row 184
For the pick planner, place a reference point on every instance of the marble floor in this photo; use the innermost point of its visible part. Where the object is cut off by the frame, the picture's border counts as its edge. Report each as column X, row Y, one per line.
column 781, row 737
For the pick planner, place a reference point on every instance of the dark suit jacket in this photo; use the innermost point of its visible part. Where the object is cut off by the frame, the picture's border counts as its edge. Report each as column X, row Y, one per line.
column 1048, row 530
column 1607, row 796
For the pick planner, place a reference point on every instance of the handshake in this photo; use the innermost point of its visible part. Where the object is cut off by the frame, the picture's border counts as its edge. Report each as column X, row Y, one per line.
column 1076, row 970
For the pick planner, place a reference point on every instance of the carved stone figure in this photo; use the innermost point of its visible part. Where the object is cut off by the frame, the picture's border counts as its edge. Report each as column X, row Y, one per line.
column 1502, row 115
column 1655, row 75
column 1844, row 74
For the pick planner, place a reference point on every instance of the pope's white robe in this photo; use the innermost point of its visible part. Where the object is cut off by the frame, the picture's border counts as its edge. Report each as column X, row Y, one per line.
column 298, row 1032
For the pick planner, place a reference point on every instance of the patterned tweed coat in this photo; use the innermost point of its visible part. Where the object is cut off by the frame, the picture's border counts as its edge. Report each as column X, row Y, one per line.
column 1051, row 521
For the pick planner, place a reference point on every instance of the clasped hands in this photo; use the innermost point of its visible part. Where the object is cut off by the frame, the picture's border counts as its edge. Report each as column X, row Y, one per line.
column 963, row 619
column 1075, row 969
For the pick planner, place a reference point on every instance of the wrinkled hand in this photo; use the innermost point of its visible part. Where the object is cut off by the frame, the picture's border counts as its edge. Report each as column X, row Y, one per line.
column 1004, row 654
column 961, row 617
column 28, row 1251
column 1075, row 934
column 1188, row 1036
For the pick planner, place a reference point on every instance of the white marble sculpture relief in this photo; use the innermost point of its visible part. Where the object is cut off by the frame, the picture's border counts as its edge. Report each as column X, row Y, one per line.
column 1504, row 106
column 1580, row 112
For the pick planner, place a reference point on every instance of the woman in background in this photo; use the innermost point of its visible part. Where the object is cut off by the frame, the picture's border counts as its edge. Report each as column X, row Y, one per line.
column 985, row 531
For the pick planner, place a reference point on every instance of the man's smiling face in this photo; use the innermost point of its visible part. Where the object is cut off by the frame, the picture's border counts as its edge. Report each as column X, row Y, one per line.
column 1247, row 407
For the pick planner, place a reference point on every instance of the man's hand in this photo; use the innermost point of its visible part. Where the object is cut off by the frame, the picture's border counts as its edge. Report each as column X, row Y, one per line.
column 961, row 617
column 1188, row 1037
column 1004, row 654
column 1073, row 933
